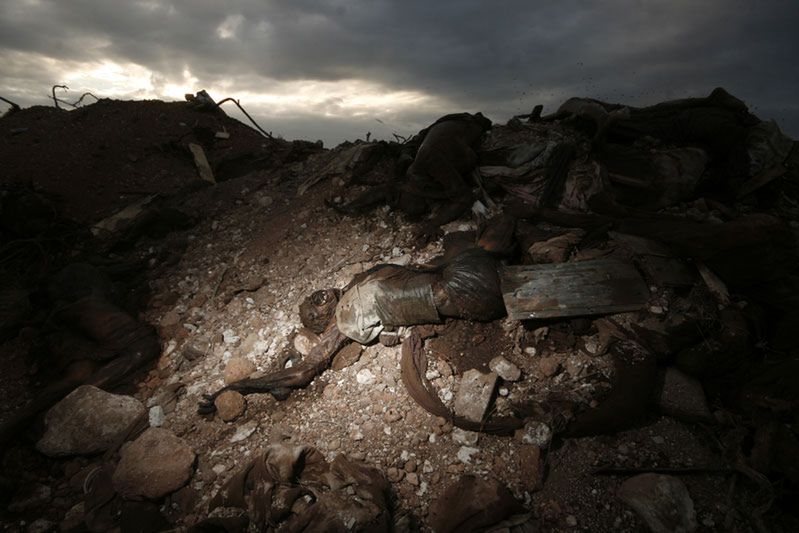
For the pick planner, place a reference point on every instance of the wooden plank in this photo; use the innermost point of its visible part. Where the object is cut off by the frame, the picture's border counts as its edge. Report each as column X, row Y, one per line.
column 601, row 286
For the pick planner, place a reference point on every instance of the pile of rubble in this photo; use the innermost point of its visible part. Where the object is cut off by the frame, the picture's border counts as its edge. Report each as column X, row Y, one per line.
column 575, row 321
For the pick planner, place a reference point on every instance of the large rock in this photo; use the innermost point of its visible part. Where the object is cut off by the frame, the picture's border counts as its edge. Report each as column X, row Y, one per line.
column 661, row 501
column 475, row 394
column 505, row 369
column 155, row 464
column 230, row 405
column 87, row 421
column 238, row 368
column 683, row 397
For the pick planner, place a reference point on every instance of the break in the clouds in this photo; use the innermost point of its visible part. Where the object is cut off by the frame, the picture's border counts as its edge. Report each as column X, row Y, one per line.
column 337, row 69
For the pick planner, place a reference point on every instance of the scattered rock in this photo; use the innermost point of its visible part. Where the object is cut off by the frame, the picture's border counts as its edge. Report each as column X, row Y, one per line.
column 305, row 341
column 347, row 356
column 229, row 337
column 530, row 467
column 412, row 478
column 505, row 369
column 238, row 368
column 152, row 466
column 467, row 438
column 475, row 394
column 170, row 319
column 395, row 475
column 244, row 431
column 156, row 416
column 535, row 432
column 230, row 405
column 365, row 377
column 661, row 501
column 549, row 366
column 74, row 517
column 30, row 498
column 683, row 397
column 40, row 526
column 87, row 421
column 392, row 415
column 465, row 454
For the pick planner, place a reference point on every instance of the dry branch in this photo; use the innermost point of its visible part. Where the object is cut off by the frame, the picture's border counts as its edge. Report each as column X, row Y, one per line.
column 259, row 128
column 56, row 100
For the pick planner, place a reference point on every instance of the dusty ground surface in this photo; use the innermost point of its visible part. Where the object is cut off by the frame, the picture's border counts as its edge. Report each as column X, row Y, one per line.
column 232, row 288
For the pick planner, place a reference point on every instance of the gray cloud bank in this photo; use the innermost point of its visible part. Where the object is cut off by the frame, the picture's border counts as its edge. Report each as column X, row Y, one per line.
column 441, row 56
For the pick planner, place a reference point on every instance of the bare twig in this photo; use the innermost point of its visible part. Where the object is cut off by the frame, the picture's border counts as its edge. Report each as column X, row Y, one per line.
column 56, row 100
column 14, row 106
column 400, row 138
column 267, row 134
column 84, row 95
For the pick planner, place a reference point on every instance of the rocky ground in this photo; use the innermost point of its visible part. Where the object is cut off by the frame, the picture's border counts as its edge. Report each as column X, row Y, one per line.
column 224, row 296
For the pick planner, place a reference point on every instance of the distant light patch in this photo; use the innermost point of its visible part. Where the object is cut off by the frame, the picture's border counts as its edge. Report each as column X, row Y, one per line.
column 229, row 27
column 108, row 78
column 343, row 98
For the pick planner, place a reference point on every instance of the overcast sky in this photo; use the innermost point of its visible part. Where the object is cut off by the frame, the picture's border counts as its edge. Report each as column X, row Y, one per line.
column 335, row 70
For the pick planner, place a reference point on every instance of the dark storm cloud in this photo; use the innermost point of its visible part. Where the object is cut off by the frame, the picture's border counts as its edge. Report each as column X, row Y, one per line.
column 499, row 57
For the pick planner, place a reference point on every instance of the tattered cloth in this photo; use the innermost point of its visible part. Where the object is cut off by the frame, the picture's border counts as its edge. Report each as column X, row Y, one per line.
column 293, row 488
column 467, row 286
column 389, row 296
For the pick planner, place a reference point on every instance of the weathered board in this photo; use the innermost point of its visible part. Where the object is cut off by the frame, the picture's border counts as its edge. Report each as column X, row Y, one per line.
column 579, row 288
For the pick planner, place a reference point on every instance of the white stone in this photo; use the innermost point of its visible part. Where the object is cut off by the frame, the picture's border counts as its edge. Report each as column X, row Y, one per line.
column 537, row 433
column 243, row 432
column 156, row 416
column 504, row 369
column 365, row 377
column 467, row 438
column 465, row 454
column 229, row 336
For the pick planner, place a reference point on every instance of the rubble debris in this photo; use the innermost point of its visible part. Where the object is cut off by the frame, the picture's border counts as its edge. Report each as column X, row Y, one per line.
column 413, row 365
column 152, row 466
column 600, row 286
column 125, row 216
column 536, row 433
column 634, row 379
column 348, row 495
column 237, row 369
column 703, row 218
column 475, row 504
column 682, row 397
column 661, row 501
column 230, row 405
column 347, row 356
column 156, row 416
column 91, row 335
column 555, row 250
column 350, row 164
column 203, row 168
column 87, row 421
column 504, row 369
column 475, row 394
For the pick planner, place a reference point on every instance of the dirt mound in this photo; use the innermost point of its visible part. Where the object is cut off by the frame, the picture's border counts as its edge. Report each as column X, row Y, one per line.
column 99, row 158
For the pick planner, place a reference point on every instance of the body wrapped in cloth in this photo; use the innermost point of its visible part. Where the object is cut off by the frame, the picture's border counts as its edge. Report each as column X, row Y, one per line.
column 391, row 295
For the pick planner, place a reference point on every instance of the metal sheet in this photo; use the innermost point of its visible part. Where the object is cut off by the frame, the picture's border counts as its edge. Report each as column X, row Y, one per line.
column 595, row 287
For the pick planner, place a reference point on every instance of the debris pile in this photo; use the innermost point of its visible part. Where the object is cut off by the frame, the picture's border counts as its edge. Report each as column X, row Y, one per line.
column 581, row 320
